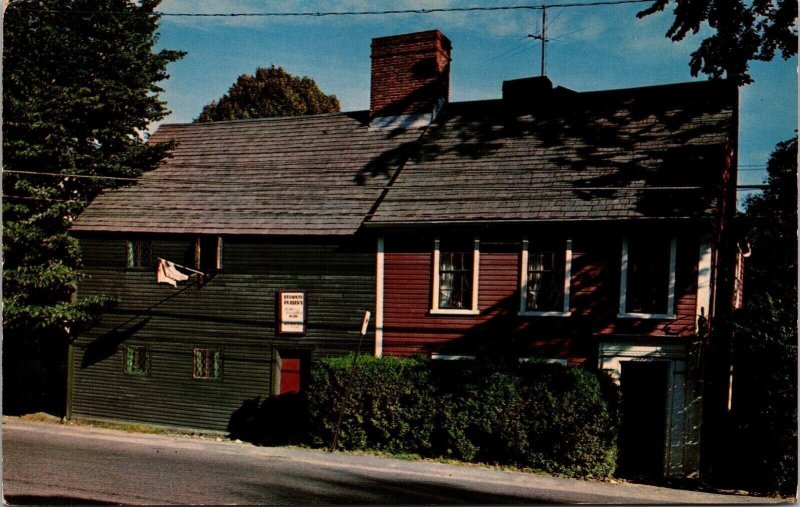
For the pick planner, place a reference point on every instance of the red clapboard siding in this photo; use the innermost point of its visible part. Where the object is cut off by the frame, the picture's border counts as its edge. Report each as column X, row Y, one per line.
column 409, row 328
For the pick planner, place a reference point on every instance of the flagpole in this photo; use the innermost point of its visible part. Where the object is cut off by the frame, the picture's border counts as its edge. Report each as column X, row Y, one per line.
column 346, row 395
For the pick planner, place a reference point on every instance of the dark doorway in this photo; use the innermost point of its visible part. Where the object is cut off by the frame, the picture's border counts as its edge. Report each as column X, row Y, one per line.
column 644, row 413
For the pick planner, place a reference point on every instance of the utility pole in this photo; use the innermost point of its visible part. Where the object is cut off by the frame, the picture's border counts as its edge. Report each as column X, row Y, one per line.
column 544, row 32
column 542, row 36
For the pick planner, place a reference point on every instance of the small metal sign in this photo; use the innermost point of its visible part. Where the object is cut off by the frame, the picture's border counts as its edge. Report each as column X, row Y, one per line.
column 291, row 312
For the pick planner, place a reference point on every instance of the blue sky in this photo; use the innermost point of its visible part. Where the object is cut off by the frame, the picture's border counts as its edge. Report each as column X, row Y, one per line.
column 593, row 48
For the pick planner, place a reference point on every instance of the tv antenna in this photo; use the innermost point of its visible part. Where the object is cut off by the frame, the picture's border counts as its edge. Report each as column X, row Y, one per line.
column 543, row 36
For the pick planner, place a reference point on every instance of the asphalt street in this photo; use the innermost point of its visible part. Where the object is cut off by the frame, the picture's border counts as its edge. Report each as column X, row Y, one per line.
column 55, row 464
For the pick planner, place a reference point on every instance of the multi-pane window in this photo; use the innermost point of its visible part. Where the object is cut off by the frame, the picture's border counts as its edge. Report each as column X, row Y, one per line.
column 140, row 253
column 137, row 360
column 545, row 290
column 207, row 364
column 456, row 264
column 648, row 275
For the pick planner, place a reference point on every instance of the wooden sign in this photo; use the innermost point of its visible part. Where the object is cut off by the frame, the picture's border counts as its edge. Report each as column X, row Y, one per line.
column 291, row 312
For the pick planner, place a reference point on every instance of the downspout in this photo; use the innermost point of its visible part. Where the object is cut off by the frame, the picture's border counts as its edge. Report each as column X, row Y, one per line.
column 379, row 298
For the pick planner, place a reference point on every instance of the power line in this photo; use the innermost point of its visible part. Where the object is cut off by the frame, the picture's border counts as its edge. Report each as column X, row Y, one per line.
column 62, row 175
column 364, row 13
column 282, row 185
column 43, row 199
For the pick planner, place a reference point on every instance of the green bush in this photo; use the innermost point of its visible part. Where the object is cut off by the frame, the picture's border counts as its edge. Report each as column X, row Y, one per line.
column 390, row 406
column 541, row 416
column 544, row 416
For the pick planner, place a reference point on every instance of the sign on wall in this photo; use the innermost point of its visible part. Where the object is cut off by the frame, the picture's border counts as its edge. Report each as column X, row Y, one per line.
column 291, row 312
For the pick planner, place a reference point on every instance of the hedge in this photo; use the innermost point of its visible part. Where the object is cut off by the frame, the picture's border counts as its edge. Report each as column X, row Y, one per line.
column 391, row 404
column 544, row 416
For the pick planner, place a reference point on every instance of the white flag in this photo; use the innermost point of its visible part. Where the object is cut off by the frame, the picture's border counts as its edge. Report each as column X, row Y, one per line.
column 168, row 273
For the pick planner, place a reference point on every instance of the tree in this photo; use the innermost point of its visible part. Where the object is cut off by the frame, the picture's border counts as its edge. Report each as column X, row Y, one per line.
column 79, row 89
column 765, row 358
column 744, row 31
column 270, row 92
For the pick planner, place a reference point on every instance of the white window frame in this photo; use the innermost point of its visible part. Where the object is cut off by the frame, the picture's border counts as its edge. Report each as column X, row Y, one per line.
column 435, row 310
column 623, row 286
column 523, row 286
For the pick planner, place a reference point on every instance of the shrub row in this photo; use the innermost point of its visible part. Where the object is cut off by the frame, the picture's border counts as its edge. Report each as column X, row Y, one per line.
column 544, row 416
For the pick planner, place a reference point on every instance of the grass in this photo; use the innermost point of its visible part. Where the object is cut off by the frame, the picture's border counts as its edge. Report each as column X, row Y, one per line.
column 128, row 427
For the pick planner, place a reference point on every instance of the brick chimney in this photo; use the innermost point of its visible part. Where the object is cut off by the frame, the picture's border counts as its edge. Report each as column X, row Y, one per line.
column 410, row 79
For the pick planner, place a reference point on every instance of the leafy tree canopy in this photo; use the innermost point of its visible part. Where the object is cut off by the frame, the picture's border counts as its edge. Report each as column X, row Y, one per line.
column 765, row 358
column 270, row 92
column 744, row 30
column 79, row 88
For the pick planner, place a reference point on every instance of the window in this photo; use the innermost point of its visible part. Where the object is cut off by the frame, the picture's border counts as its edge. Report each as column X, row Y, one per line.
column 140, row 253
column 545, row 281
column 137, row 360
column 207, row 364
column 647, row 281
column 208, row 253
column 455, row 277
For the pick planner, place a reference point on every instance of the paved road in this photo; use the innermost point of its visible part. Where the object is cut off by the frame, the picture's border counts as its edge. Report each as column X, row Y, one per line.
column 54, row 464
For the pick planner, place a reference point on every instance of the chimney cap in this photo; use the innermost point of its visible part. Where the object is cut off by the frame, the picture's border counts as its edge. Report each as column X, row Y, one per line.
column 394, row 41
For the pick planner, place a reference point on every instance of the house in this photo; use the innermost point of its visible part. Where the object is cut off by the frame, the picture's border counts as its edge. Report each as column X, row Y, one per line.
column 270, row 211
column 585, row 228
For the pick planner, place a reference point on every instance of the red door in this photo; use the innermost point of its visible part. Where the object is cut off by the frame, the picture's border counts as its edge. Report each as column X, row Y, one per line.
column 290, row 375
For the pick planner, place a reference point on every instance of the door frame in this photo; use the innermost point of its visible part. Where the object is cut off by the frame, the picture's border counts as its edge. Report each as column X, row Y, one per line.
column 681, row 440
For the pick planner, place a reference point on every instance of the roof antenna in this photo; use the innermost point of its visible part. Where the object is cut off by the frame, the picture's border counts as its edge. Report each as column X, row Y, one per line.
column 542, row 37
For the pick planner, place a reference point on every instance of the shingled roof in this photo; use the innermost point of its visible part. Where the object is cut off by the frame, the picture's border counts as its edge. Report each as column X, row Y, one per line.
column 307, row 175
column 642, row 153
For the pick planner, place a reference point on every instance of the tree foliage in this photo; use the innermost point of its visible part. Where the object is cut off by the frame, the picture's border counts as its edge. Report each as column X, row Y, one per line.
column 765, row 360
column 79, row 88
column 269, row 92
column 743, row 31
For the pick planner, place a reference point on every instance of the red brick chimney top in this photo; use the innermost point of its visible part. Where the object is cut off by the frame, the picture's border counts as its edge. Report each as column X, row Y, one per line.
column 410, row 74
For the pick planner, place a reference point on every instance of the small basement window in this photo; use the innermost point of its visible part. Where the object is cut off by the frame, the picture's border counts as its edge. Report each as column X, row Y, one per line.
column 208, row 253
column 207, row 364
column 140, row 253
column 455, row 277
column 137, row 360
column 647, row 277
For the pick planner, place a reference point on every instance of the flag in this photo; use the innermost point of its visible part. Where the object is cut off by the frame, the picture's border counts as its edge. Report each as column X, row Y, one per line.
column 168, row 273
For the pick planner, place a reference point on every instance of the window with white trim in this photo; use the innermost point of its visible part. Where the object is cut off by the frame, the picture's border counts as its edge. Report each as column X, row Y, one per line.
column 545, row 278
column 647, row 277
column 455, row 276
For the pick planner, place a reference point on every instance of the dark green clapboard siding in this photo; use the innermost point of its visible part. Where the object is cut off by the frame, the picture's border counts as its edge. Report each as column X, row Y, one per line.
column 169, row 394
column 234, row 311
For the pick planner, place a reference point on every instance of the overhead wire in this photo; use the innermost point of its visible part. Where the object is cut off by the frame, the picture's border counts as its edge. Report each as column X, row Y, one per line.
column 385, row 12
column 291, row 183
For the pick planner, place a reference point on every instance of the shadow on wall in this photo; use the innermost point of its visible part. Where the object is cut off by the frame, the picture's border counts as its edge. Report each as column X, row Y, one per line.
column 276, row 420
column 108, row 344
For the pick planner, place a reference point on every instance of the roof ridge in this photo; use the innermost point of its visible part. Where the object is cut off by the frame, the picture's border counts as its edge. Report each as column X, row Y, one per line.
column 264, row 119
